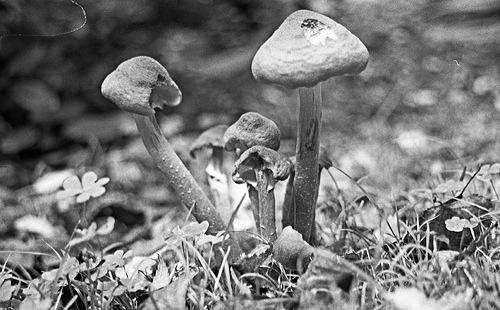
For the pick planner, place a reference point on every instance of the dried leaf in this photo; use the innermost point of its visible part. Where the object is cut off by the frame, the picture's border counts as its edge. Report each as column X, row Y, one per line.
column 411, row 299
column 172, row 297
column 51, row 181
column 162, row 276
column 6, row 287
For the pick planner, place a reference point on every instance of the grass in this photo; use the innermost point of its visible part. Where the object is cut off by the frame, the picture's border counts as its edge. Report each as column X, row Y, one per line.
column 400, row 259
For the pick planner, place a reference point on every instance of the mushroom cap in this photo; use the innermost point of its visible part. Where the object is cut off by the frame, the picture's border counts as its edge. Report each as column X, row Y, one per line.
column 139, row 85
column 252, row 129
column 210, row 138
column 290, row 248
column 261, row 158
column 306, row 49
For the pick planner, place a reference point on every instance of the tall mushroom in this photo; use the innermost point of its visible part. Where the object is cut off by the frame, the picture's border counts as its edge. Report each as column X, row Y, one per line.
column 262, row 167
column 139, row 85
column 305, row 50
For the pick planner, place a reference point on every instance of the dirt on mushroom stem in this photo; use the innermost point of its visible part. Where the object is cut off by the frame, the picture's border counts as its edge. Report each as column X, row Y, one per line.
column 306, row 183
column 267, row 212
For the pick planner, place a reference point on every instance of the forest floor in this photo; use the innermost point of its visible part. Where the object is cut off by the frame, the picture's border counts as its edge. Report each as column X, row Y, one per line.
column 414, row 140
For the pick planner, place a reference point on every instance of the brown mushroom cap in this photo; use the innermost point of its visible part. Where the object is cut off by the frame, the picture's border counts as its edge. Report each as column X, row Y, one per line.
column 139, row 85
column 210, row 138
column 252, row 129
column 261, row 158
column 306, row 49
column 290, row 249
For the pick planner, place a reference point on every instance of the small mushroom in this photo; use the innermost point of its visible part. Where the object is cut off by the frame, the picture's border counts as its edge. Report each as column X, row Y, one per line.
column 291, row 250
column 305, row 50
column 261, row 168
column 212, row 140
column 139, row 85
column 252, row 129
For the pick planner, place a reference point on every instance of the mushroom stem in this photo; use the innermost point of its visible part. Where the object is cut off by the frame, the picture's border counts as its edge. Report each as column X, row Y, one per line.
column 253, row 195
column 288, row 217
column 178, row 177
column 305, row 182
column 267, row 213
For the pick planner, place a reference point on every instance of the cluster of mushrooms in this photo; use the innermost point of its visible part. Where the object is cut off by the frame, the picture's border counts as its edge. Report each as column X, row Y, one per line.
column 305, row 50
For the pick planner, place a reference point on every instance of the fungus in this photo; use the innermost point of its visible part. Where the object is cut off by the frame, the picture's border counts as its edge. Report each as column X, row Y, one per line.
column 249, row 130
column 291, row 250
column 252, row 129
column 261, row 168
column 305, row 50
column 139, row 85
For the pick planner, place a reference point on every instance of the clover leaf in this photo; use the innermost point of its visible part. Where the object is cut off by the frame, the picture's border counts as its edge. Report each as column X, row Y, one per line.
column 457, row 224
column 89, row 186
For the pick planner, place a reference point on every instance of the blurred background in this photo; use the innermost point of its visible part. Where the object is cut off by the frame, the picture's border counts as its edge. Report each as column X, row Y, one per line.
column 427, row 104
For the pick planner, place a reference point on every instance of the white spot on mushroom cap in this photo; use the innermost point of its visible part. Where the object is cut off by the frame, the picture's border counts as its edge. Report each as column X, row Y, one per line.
column 316, row 32
column 294, row 58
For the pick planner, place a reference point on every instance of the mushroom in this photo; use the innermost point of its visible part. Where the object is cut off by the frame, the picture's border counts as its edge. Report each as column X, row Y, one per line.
column 212, row 140
column 261, row 168
column 139, row 85
column 305, row 50
column 249, row 130
column 252, row 129
column 291, row 250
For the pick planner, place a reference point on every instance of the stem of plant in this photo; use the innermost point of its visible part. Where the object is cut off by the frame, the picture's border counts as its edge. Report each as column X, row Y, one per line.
column 267, row 213
column 306, row 182
column 253, row 195
column 178, row 177
column 288, row 216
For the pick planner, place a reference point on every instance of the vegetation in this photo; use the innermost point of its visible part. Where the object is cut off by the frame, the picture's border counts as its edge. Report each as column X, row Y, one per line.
column 408, row 201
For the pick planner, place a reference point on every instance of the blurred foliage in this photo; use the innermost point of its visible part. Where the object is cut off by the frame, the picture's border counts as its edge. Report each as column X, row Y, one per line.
column 433, row 65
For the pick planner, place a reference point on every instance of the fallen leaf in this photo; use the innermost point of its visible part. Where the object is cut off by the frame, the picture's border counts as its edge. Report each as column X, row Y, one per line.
column 51, row 181
column 6, row 287
column 411, row 299
column 171, row 297
column 412, row 141
column 162, row 276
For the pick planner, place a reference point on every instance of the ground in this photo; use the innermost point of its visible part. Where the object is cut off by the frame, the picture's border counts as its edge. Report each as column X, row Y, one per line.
column 424, row 112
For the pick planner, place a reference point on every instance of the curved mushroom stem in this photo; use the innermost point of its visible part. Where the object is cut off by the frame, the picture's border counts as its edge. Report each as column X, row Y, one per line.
column 178, row 177
column 305, row 182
